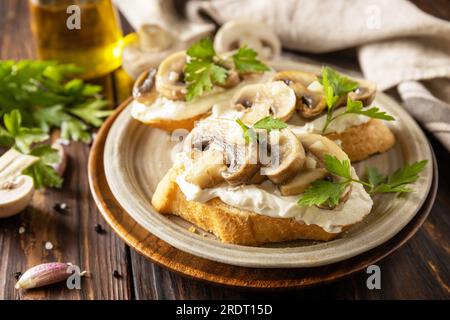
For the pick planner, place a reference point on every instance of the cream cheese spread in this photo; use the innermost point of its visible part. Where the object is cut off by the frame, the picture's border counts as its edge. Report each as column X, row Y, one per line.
column 265, row 199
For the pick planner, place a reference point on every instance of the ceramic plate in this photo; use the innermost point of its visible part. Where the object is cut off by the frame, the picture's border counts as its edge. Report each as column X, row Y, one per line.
column 136, row 157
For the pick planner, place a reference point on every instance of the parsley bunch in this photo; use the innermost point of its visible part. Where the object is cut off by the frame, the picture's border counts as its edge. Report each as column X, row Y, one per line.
column 46, row 98
column 329, row 192
column 205, row 68
column 26, row 140
column 335, row 87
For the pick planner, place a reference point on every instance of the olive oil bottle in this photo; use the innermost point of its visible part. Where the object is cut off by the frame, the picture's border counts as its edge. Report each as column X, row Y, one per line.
column 95, row 44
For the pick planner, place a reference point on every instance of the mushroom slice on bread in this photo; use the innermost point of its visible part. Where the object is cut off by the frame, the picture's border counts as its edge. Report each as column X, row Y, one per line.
column 257, row 101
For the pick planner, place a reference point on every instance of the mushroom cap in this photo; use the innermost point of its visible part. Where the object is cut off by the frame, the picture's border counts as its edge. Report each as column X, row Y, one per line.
column 256, row 35
column 257, row 101
column 169, row 78
column 309, row 103
column 287, row 155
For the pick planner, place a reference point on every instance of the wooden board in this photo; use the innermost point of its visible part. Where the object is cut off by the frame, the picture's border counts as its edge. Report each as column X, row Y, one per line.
column 178, row 261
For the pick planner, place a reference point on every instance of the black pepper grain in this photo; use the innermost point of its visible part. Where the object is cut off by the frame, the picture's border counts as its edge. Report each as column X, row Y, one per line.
column 99, row 229
column 116, row 274
column 17, row 275
column 60, row 207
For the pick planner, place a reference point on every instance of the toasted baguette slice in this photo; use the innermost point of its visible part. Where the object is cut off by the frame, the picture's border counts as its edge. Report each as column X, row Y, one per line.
column 360, row 142
column 228, row 223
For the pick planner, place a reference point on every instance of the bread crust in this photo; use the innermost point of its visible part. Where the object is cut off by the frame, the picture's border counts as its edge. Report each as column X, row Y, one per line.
column 172, row 125
column 360, row 142
column 230, row 224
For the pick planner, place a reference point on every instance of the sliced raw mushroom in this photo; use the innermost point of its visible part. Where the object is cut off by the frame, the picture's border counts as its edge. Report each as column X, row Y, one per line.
column 144, row 90
column 320, row 146
column 364, row 93
column 206, row 171
column 310, row 102
column 287, row 156
column 170, row 77
column 302, row 181
column 239, row 159
column 16, row 189
column 257, row 35
column 257, row 101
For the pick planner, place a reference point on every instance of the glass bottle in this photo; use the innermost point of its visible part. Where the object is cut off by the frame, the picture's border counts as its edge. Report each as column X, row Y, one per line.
column 84, row 32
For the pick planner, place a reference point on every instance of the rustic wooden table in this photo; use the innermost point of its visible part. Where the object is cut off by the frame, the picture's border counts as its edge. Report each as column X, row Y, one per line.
column 419, row 270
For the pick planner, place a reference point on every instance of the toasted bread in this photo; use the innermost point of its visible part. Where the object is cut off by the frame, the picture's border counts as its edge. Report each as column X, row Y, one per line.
column 360, row 142
column 228, row 223
column 172, row 125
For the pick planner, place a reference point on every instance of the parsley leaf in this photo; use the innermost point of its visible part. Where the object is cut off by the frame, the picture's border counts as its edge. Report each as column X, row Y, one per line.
column 24, row 140
column 245, row 61
column 201, row 76
column 337, row 167
column 45, row 96
column 204, row 67
column 335, row 87
column 249, row 133
column 374, row 112
column 322, row 192
column 398, row 181
column 268, row 123
column 339, row 83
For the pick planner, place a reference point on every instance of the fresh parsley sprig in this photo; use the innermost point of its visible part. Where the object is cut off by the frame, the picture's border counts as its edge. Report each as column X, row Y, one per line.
column 337, row 86
column 324, row 192
column 46, row 98
column 398, row 181
column 26, row 140
column 267, row 123
column 205, row 67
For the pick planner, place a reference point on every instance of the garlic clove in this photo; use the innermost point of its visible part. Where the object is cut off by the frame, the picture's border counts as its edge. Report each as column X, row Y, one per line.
column 60, row 167
column 45, row 274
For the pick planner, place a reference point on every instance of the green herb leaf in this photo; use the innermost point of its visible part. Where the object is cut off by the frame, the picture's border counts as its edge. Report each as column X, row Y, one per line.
column 398, row 181
column 45, row 96
column 337, row 167
column 75, row 130
column 202, row 50
column 204, row 67
column 339, row 83
column 322, row 192
column 374, row 177
column 201, row 76
column 374, row 112
column 407, row 174
column 245, row 60
column 268, row 123
column 44, row 176
column 249, row 133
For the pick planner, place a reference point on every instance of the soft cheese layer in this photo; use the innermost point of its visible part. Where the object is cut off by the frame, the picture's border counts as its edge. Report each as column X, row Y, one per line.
column 265, row 199
column 166, row 109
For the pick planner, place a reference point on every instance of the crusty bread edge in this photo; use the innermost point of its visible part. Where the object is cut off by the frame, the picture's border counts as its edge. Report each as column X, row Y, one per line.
column 231, row 225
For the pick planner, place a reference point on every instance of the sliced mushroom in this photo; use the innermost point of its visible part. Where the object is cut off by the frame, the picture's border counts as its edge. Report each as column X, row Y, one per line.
column 16, row 190
column 364, row 93
column 257, row 101
column 302, row 181
column 256, row 35
column 144, row 90
column 287, row 156
column 240, row 159
column 206, row 171
column 309, row 103
column 170, row 77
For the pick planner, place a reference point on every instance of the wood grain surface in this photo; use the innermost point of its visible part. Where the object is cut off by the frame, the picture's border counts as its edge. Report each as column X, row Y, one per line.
column 420, row 269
